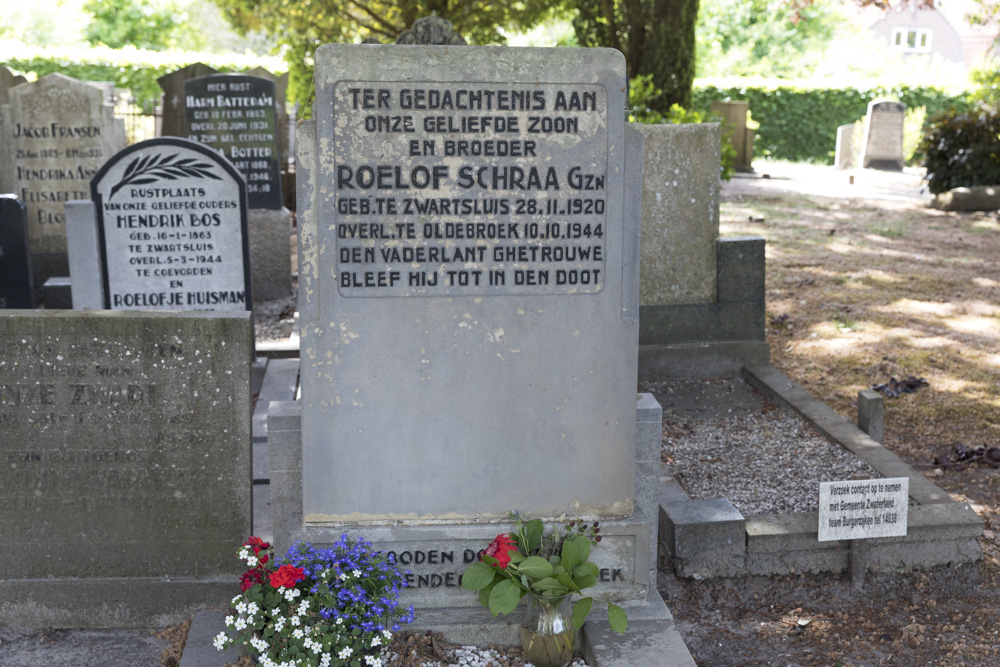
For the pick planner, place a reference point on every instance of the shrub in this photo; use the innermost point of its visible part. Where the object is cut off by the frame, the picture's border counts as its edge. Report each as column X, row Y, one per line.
column 963, row 149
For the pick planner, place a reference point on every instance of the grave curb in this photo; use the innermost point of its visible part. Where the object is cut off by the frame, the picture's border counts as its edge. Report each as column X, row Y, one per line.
column 940, row 531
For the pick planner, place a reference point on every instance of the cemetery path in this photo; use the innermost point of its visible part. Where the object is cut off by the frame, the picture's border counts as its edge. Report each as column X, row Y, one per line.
column 864, row 284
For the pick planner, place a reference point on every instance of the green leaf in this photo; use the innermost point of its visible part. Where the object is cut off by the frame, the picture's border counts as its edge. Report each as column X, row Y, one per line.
column 586, row 569
column 477, row 576
column 515, row 556
column 617, row 618
column 568, row 582
column 580, row 611
column 535, row 567
column 570, row 555
column 546, row 584
column 533, row 535
column 582, row 548
column 585, row 581
column 557, row 570
column 504, row 597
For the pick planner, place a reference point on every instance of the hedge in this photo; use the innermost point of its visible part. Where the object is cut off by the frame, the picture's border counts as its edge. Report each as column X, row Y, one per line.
column 799, row 123
column 135, row 70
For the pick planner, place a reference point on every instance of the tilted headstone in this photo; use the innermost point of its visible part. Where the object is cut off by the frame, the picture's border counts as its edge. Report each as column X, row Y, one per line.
column 60, row 133
column 7, row 81
column 172, row 229
column 15, row 267
column 173, row 121
column 469, row 302
column 883, row 142
column 235, row 115
column 126, row 476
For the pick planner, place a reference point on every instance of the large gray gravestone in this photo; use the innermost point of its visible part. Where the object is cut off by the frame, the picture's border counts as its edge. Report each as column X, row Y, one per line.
column 59, row 133
column 126, row 479
column 235, row 115
column 883, row 142
column 280, row 96
column 7, row 81
column 475, row 231
column 469, row 301
column 172, row 107
column 172, row 229
column 15, row 266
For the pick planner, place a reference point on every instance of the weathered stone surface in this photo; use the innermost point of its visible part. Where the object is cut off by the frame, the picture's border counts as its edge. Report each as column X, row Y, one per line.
column 173, row 123
column 59, row 132
column 680, row 214
column 431, row 30
column 883, row 142
column 270, row 253
column 975, row 198
column 126, row 441
column 525, row 389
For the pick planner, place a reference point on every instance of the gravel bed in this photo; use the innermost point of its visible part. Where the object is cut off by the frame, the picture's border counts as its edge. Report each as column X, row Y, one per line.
column 274, row 320
column 411, row 649
column 722, row 439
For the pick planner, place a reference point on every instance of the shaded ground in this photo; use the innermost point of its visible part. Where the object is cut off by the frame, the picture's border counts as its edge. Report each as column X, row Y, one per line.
column 860, row 291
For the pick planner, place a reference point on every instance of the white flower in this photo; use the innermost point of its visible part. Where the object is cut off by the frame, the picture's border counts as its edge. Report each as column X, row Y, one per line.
column 258, row 644
column 241, row 607
column 343, row 577
column 252, row 561
column 220, row 640
column 356, row 573
column 303, row 607
column 325, row 660
column 345, row 653
column 295, row 620
column 279, row 625
column 298, row 634
column 252, row 608
column 244, row 553
column 373, row 661
column 290, row 594
column 387, row 634
column 236, row 599
column 241, row 624
column 376, row 641
column 340, row 621
column 229, row 621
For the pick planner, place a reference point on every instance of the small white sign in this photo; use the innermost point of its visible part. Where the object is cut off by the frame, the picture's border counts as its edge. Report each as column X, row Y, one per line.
column 860, row 509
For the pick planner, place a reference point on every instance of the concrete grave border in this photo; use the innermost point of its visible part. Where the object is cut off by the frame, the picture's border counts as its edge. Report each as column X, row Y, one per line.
column 710, row 538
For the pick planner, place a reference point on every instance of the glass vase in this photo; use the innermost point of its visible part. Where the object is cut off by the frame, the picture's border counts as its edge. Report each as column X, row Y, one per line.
column 547, row 636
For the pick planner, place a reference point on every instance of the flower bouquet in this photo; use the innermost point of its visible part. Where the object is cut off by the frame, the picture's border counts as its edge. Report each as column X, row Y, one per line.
column 549, row 569
column 317, row 608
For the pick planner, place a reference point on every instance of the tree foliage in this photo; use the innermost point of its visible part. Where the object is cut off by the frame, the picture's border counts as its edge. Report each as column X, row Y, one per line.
column 304, row 25
column 139, row 23
column 657, row 38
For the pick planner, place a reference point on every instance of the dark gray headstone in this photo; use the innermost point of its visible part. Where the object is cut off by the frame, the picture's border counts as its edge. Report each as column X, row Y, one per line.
column 280, row 96
column 173, row 97
column 125, row 439
column 15, row 267
column 172, row 228
column 235, row 115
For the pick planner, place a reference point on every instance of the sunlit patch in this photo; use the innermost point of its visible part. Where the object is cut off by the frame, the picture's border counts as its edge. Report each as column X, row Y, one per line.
column 985, row 282
column 911, row 307
column 882, row 277
column 970, row 324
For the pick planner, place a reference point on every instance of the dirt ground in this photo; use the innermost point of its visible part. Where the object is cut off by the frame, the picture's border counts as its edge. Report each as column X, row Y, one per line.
column 859, row 292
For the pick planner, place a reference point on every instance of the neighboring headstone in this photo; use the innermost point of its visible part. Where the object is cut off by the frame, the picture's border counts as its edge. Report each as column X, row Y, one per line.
column 280, row 98
column 126, row 476
column 173, row 123
column 236, row 115
column 680, row 214
column 172, row 229
column 883, row 141
column 431, row 30
column 735, row 114
column 15, row 267
column 844, row 155
column 59, row 132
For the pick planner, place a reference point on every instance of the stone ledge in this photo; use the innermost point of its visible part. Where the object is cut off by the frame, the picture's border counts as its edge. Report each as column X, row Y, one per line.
column 975, row 198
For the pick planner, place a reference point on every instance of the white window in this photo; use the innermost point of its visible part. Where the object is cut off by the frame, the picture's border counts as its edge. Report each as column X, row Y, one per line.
column 912, row 40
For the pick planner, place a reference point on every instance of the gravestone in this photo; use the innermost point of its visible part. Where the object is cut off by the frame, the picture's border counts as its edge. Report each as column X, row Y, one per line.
column 173, row 122
column 844, row 153
column 883, row 140
column 15, row 267
column 7, row 81
column 59, row 133
column 433, row 30
column 280, row 97
column 126, row 477
column 735, row 115
column 235, row 115
column 172, row 229
column 480, row 222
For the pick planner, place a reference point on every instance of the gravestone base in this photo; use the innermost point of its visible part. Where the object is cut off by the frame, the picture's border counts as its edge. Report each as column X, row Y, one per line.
column 885, row 165
column 45, row 266
column 125, row 602
column 270, row 253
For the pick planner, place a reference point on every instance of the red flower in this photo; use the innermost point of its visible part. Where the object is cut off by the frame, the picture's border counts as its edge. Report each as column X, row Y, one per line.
column 499, row 548
column 287, row 575
column 256, row 544
column 251, row 577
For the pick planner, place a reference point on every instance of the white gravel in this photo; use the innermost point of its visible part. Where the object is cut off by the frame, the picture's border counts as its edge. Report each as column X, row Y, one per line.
column 274, row 320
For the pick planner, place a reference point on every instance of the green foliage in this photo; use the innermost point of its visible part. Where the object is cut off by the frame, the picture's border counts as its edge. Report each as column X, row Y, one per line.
column 657, row 38
column 139, row 23
column 762, row 37
column 641, row 98
column 300, row 27
column 799, row 123
column 962, row 149
column 987, row 79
